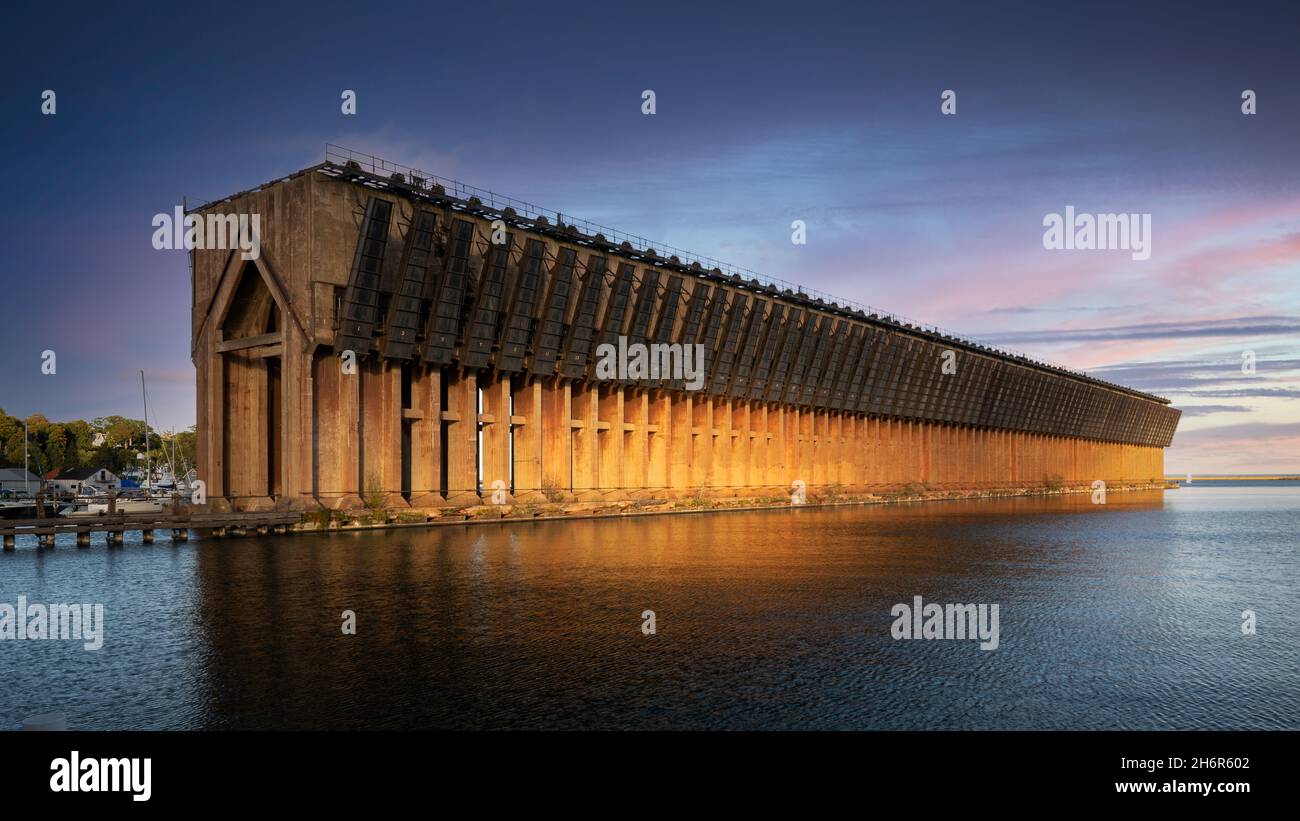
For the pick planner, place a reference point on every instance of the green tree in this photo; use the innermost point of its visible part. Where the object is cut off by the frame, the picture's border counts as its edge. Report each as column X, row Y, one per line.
column 66, row 445
column 14, row 448
column 9, row 425
column 55, row 446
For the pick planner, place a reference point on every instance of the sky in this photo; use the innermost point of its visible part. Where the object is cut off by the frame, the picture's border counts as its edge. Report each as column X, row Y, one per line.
column 764, row 114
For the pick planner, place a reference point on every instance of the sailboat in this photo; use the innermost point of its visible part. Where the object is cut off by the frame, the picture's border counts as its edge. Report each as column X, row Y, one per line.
column 148, row 502
column 154, row 500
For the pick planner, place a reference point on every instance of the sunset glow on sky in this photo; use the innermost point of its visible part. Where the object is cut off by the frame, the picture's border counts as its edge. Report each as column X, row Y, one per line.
column 1105, row 108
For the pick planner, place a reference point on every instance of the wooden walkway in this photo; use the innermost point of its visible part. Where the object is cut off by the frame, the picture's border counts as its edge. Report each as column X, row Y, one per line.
column 115, row 526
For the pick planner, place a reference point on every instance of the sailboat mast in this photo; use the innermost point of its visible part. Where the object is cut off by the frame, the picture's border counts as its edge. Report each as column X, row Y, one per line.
column 148, row 469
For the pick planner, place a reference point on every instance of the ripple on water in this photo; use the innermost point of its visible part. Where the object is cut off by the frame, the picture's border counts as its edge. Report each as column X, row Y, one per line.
column 1123, row 616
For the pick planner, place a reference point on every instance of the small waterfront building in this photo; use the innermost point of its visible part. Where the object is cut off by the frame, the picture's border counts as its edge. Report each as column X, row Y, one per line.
column 18, row 480
column 73, row 480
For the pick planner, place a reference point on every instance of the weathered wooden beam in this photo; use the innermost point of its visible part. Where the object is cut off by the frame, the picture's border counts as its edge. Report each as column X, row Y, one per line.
column 228, row 345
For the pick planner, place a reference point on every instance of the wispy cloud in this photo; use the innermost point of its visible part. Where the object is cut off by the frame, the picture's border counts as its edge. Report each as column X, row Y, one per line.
column 1211, row 328
column 1207, row 410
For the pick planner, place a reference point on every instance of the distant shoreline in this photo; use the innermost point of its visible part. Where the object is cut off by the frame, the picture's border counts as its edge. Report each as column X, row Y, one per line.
column 1194, row 479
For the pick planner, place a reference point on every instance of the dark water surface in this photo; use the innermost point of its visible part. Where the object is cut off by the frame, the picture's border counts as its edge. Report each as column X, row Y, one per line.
column 1126, row 615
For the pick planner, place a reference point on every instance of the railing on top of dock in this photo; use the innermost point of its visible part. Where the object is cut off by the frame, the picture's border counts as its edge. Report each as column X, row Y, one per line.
column 416, row 178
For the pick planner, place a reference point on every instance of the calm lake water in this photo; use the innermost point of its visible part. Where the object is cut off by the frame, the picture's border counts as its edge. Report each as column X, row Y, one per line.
column 1126, row 615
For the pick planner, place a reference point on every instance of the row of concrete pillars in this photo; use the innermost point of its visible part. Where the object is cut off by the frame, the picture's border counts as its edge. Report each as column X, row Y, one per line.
column 430, row 437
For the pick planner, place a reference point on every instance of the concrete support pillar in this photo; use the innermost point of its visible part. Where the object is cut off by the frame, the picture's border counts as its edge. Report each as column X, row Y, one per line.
column 585, row 406
column 990, row 457
column 820, row 450
column 426, row 437
column 812, row 448
column 941, row 455
column 955, row 457
column 1028, row 463
column 782, row 474
column 878, row 453
column 927, row 431
column 381, row 428
column 864, row 464
column 892, row 475
column 846, row 451
column 828, row 447
column 336, row 438
column 1013, row 457
column 702, row 445
column 494, row 421
column 610, row 440
column 679, row 443
column 969, row 455
column 209, row 459
column 985, row 457
column 637, row 441
column 742, row 447
column 898, row 451
column 759, row 474
column 983, row 478
column 830, row 450
column 908, row 443
column 841, row 455
column 973, row 456
column 658, row 468
column 461, row 420
column 807, row 446
column 794, row 440
column 920, row 446
column 962, row 455
column 908, row 440
column 920, row 441
column 871, row 454
column 910, row 473
column 905, row 474
column 724, row 472
column 296, row 424
column 557, row 437
column 868, row 452
column 952, row 456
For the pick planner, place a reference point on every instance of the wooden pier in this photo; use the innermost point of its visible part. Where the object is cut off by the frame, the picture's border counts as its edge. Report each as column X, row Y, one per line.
column 116, row 526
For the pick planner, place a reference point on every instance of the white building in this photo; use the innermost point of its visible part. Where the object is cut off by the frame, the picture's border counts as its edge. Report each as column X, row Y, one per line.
column 72, row 481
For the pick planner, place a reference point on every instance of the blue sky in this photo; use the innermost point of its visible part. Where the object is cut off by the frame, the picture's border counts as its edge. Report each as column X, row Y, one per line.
column 766, row 113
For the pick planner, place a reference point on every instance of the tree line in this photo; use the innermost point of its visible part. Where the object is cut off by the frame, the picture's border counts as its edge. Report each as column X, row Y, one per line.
column 112, row 442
